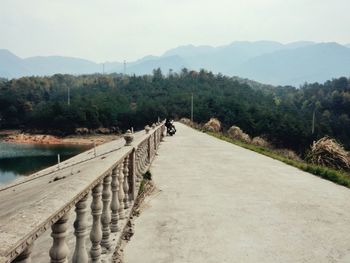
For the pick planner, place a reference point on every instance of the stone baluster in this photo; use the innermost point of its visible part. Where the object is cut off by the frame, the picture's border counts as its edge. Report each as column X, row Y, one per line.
column 106, row 213
column 132, row 176
column 80, row 231
column 149, row 149
column 59, row 250
column 155, row 141
column 115, row 201
column 137, row 165
column 24, row 257
column 126, row 182
column 162, row 133
column 96, row 232
column 121, row 192
column 144, row 159
column 140, row 160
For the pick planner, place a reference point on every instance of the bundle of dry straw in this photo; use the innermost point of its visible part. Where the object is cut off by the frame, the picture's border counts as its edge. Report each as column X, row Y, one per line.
column 327, row 152
column 236, row 133
column 213, row 125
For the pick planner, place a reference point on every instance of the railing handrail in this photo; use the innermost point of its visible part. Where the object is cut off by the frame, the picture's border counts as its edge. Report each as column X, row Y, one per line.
column 16, row 240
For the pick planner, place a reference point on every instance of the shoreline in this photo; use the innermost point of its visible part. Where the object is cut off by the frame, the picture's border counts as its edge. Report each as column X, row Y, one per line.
column 45, row 139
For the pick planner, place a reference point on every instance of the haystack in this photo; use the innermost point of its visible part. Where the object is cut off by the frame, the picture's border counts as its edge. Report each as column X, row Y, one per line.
column 259, row 141
column 289, row 154
column 213, row 125
column 186, row 121
column 327, row 152
column 236, row 133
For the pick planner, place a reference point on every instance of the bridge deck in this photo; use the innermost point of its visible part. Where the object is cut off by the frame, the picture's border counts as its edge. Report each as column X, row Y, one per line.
column 220, row 203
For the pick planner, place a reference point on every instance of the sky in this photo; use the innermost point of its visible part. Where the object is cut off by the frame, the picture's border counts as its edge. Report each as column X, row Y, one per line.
column 117, row 30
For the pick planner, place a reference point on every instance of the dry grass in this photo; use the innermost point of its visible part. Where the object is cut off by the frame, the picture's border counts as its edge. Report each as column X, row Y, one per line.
column 259, row 141
column 288, row 154
column 337, row 176
column 189, row 123
column 213, row 125
column 236, row 133
column 186, row 121
column 327, row 152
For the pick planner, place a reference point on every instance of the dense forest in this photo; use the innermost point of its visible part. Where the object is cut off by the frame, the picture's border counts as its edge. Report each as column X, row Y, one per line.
column 284, row 115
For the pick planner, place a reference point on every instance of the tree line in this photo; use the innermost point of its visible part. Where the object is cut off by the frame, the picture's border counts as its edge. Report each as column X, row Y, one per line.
column 284, row 115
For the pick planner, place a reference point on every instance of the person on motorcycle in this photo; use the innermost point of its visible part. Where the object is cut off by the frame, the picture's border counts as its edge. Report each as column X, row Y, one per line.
column 170, row 128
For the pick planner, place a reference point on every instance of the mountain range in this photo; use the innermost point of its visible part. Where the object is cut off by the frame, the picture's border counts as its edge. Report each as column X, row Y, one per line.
column 264, row 61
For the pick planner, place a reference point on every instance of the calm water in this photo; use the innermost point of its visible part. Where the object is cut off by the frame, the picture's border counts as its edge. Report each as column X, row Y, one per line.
column 23, row 159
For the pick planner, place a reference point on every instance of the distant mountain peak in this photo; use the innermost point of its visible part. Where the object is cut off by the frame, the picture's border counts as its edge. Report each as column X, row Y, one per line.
column 265, row 61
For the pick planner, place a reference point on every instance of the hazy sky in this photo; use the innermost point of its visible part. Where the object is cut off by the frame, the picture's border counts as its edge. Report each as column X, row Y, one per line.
column 112, row 30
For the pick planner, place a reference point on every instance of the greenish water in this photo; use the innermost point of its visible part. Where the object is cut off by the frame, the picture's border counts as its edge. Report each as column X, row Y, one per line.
column 24, row 159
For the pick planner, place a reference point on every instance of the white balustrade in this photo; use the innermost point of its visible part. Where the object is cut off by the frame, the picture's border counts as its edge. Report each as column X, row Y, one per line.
column 111, row 196
column 96, row 232
column 80, row 225
column 59, row 250
column 115, row 201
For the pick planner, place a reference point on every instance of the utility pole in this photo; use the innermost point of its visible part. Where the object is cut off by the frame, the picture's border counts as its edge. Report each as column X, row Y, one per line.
column 313, row 122
column 103, row 68
column 124, row 67
column 68, row 96
column 192, row 107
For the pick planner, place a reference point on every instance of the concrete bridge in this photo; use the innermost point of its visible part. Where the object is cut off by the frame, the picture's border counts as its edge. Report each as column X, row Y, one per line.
column 213, row 202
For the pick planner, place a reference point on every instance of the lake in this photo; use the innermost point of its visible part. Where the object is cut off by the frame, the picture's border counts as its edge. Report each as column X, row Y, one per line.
column 24, row 159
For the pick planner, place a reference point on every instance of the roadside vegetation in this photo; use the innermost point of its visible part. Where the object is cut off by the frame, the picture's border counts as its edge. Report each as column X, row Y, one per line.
column 325, row 158
column 283, row 115
column 337, row 176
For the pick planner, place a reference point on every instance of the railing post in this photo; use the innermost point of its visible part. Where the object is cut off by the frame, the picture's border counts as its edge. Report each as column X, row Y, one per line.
column 137, row 164
column 162, row 133
column 24, row 257
column 132, row 175
column 121, row 192
column 126, row 182
column 80, row 225
column 96, row 233
column 149, row 149
column 59, row 250
column 106, row 214
column 155, row 140
column 115, row 201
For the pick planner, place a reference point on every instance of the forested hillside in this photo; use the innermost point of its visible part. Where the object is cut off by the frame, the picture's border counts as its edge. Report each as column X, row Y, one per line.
column 282, row 114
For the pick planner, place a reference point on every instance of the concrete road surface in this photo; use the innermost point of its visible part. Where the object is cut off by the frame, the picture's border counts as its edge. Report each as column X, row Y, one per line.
column 217, row 202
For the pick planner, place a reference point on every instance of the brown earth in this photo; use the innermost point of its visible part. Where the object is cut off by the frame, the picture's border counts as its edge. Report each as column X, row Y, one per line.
column 49, row 139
